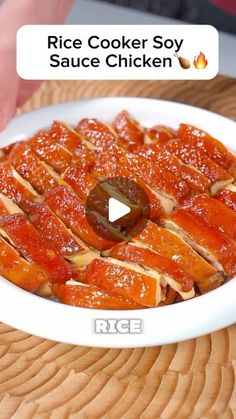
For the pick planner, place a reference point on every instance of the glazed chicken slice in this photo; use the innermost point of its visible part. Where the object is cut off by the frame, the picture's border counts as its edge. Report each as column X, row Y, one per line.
column 130, row 133
column 157, row 155
column 90, row 296
column 97, row 133
column 127, row 280
column 167, row 268
column 59, row 237
column 28, row 165
column 38, row 174
column 211, row 147
column 159, row 134
column 228, row 198
column 85, row 183
column 47, row 149
column 67, row 137
column 32, row 246
column 197, row 158
column 173, row 189
column 80, row 180
column 14, row 187
column 52, row 229
column 170, row 245
column 70, row 208
column 164, row 182
column 27, row 275
column 167, row 185
column 105, row 168
column 113, row 162
column 25, row 196
column 217, row 247
column 214, row 213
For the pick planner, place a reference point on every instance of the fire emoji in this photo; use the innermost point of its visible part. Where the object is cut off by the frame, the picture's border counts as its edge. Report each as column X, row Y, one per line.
column 201, row 62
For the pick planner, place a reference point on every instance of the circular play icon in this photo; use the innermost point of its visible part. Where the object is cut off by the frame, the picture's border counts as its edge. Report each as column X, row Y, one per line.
column 117, row 209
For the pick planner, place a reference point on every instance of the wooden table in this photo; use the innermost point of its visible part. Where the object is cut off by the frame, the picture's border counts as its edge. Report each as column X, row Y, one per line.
column 194, row 379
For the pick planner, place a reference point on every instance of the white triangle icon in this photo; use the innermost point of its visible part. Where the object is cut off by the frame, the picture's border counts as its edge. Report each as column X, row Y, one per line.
column 116, row 209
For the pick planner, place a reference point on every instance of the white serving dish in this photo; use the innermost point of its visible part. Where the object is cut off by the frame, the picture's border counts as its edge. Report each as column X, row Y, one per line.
column 162, row 325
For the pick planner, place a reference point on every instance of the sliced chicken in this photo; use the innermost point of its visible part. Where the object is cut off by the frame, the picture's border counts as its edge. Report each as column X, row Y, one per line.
column 13, row 186
column 217, row 247
column 59, row 237
column 33, row 247
column 196, row 157
column 127, row 280
column 157, row 155
column 170, row 245
column 214, row 213
column 27, row 275
column 159, row 134
column 228, row 198
column 47, row 149
column 166, row 185
column 48, row 244
column 168, row 269
column 67, row 137
column 80, row 180
column 70, row 208
column 105, row 168
column 129, row 131
column 163, row 181
column 113, row 163
column 97, row 133
column 211, row 147
column 90, row 296
column 29, row 166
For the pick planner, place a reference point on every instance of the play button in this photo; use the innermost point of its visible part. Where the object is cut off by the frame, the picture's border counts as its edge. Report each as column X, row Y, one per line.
column 117, row 209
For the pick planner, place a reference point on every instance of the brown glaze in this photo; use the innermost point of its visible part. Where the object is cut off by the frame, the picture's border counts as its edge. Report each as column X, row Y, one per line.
column 33, row 247
column 123, row 281
column 70, row 208
column 90, row 296
column 214, row 213
column 27, row 275
column 98, row 133
column 219, row 244
column 130, row 133
column 153, row 260
column 196, row 157
column 13, row 189
column 228, row 198
column 170, row 245
column 209, row 145
column 50, row 151
column 54, row 231
column 29, row 166
column 157, row 155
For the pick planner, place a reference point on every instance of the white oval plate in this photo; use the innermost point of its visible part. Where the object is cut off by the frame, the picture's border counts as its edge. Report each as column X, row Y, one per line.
column 162, row 325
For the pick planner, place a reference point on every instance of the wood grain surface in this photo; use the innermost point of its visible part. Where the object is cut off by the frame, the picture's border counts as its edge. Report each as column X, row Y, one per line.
column 195, row 379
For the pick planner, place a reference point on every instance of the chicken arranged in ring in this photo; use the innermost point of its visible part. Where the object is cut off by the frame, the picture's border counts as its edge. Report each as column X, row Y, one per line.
column 186, row 248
